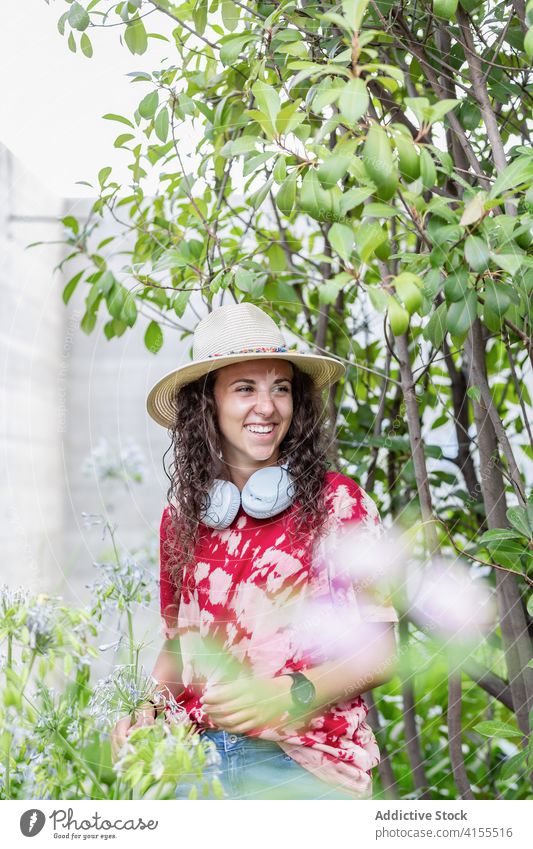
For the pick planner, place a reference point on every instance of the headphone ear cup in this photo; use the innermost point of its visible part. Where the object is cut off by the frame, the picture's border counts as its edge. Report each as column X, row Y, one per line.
column 223, row 504
column 268, row 492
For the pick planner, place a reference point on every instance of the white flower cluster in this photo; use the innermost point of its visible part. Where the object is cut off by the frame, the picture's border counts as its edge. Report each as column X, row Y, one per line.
column 125, row 465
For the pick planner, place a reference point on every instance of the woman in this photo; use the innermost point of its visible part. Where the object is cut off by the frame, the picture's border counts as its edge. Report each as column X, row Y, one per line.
column 250, row 504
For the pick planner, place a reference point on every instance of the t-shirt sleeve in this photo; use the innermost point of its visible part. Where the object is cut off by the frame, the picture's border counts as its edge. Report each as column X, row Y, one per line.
column 350, row 507
column 169, row 608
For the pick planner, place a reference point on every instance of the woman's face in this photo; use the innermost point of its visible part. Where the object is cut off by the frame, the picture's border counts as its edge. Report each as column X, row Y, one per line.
column 254, row 409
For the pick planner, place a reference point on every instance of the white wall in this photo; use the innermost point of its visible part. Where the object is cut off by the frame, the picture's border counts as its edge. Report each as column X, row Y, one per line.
column 31, row 328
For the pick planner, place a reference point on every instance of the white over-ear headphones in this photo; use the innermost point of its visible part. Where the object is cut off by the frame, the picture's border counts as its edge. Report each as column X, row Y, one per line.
column 266, row 493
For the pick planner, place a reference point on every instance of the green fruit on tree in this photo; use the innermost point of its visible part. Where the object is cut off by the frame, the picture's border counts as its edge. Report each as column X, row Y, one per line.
column 383, row 250
column 469, row 5
column 408, row 161
column 409, row 289
column 398, row 316
column 445, row 9
column 379, row 163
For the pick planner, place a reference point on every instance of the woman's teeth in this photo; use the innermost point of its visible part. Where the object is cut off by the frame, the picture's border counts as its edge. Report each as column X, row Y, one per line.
column 260, row 428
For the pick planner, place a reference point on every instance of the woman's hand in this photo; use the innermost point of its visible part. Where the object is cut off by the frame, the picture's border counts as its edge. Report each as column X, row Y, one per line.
column 247, row 703
column 124, row 727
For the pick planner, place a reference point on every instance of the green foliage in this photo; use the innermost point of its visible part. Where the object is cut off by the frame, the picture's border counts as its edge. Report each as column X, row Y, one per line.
column 365, row 182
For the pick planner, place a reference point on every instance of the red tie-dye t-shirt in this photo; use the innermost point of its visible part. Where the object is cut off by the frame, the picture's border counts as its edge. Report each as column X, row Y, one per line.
column 257, row 595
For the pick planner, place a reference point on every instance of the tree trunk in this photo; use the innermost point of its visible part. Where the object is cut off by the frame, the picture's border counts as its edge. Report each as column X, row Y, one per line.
column 517, row 643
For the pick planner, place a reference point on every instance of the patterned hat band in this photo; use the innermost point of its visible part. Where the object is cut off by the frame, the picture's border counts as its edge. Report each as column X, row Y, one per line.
column 263, row 350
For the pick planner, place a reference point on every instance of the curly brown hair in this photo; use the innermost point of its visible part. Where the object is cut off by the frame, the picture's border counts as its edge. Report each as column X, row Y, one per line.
column 195, row 463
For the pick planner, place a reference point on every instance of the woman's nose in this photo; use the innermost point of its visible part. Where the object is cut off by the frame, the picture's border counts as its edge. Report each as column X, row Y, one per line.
column 264, row 403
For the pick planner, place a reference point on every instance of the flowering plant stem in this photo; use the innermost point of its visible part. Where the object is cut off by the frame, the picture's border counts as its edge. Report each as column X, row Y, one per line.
column 75, row 757
column 9, row 662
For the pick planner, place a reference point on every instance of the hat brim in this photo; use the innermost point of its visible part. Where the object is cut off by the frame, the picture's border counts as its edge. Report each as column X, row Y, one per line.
column 323, row 370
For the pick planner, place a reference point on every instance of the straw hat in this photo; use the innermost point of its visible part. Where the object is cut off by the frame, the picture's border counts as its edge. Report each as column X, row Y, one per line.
column 231, row 334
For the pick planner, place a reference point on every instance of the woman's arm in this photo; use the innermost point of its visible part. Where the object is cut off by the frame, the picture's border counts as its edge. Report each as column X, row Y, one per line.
column 369, row 665
column 249, row 703
column 168, row 668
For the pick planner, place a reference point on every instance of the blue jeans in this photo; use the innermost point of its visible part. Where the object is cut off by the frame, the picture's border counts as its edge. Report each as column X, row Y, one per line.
column 251, row 768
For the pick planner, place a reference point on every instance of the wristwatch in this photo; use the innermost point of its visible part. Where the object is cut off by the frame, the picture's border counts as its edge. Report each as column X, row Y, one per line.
column 303, row 693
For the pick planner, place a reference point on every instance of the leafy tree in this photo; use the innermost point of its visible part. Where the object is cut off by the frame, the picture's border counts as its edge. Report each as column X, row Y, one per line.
column 363, row 171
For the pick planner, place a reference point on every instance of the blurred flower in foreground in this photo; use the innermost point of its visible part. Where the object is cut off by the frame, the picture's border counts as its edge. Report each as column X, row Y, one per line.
column 367, row 557
column 157, row 758
column 445, row 598
column 126, row 465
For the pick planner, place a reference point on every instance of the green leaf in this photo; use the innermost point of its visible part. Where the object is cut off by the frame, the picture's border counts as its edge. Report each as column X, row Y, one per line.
column 153, row 337
column 369, row 236
column 88, row 322
column 462, row 313
column 235, row 147
column 78, row 17
column 329, row 289
column 354, row 197
column 129, row 310
column 353, row 101
column 456, row 285
column 477, row 254
column 518, row 518
column 496, row 297
column 497, row 535
column 135, row 36
column 110, row 116
column 279, row 171
column 513, row 766
column 354, row 12
column 180, row 302
column 149, row 104
column 103, row 174
column 161, row 124
column 474, row 393
column 333, row 169
column 516, row 174
column 341, row 239
column 230, row 14
column 231, row 47
column 286, row 196
column 510, row 263
column 267, row 100
column 259, row 196
column 474, row 209
column 68, row 291
column 493, row 728
column 86, row 46
column 435, row 329
column 199, row 16
column 122, row 139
